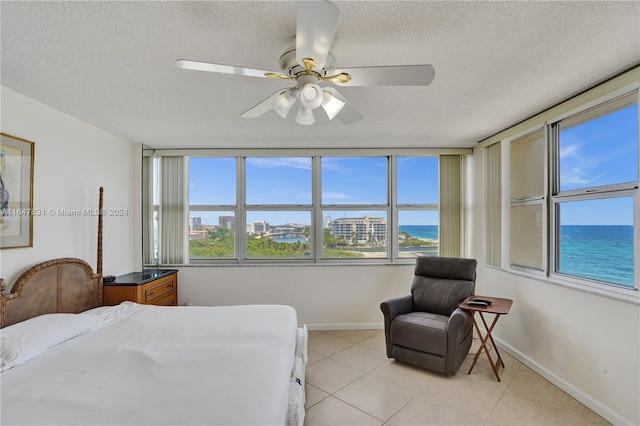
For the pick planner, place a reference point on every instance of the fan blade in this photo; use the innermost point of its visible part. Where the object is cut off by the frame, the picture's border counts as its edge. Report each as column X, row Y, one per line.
column 316, row 26
column 393, row 75
column 224, row 69
column 262, row 107
column 348, row 114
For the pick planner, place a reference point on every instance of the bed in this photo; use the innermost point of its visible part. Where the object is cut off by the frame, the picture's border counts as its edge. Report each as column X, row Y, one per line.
column 68, row 360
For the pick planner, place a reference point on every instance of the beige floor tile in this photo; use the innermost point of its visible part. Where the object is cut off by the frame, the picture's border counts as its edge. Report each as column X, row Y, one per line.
column 327, row 344
column 361, row 357
column 596, row 420
column 468, row 396
column 313, row 395
column 333, row 412
column 425, row 411
column 527, row 384
column 340, row 391
column 330, row 375
column 355, row 336
column 483, row 373
column 404, row 375
column 376, row 342
column 313, row 357
column 315, row 333
column 515, row 410
column 375, row 396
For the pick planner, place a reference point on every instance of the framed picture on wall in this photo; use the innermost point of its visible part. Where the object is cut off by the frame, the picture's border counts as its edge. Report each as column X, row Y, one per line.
column 16, row 192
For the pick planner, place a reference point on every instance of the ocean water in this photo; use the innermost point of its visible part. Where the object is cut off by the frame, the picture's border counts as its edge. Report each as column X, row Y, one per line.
column 423, row 232
column 600, row 252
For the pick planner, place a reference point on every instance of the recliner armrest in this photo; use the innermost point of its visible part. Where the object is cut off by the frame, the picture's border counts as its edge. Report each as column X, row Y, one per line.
column 392, row 308
column 396, row 306
column 458, row 321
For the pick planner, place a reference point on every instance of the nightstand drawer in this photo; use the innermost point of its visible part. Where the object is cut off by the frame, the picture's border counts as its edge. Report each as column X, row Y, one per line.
column 159, row 290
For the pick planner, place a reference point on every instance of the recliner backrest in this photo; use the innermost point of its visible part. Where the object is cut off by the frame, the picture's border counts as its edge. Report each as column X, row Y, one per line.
column 441, row 283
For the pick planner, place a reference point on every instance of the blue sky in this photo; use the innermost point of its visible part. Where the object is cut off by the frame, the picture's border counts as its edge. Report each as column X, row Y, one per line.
column 599, row 152
column 345, row 180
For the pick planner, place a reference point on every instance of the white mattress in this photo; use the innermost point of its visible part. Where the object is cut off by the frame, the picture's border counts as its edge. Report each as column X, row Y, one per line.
column 152, row 365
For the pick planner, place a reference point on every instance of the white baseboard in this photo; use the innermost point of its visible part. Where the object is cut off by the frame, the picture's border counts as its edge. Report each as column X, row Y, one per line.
column 342, row 326
column 576, row 393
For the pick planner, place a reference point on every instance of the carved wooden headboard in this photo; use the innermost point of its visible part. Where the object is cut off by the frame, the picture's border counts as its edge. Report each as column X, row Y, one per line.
column 59, row 285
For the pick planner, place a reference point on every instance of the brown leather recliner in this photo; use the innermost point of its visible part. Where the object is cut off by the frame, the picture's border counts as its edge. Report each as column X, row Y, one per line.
column 426, row 328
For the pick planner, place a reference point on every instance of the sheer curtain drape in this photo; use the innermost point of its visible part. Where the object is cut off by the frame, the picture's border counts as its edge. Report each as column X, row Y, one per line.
column 172, row 210
column 493, row 204
column 450, row 205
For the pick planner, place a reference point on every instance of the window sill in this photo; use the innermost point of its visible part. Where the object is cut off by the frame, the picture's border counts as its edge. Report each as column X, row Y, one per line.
column 384, row 262
column 630, row 295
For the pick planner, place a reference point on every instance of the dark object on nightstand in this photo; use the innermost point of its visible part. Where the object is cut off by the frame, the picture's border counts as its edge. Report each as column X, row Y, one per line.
column 108, row 278
column 427, row 328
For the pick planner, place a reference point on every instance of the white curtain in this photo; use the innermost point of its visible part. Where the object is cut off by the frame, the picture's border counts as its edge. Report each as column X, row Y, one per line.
column 172, row 210
column 450, row 205
column 493, row 204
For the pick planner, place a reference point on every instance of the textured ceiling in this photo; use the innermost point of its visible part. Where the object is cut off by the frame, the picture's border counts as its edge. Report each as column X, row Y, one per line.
column 111, row 64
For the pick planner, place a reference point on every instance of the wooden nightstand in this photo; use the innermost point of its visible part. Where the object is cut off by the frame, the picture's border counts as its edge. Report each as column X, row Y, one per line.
column 149, row 287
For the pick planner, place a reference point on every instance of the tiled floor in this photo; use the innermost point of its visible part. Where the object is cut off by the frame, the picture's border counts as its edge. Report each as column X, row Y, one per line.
column 350, row 381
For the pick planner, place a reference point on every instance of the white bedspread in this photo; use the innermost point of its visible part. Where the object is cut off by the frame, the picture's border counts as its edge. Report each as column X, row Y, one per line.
column 162, row 366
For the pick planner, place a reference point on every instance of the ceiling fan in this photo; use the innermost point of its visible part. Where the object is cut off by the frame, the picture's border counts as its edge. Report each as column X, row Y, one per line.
column 310, row 63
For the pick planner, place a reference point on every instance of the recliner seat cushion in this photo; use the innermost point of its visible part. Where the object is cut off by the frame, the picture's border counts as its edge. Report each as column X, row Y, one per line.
column 421, row 331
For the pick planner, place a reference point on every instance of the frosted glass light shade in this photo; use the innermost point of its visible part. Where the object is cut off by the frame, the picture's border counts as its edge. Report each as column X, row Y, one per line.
column 331, row 105
column 283, row 103
column 305, row 116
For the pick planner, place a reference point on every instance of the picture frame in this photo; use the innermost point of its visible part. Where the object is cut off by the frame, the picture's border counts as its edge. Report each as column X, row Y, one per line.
column 16, row 192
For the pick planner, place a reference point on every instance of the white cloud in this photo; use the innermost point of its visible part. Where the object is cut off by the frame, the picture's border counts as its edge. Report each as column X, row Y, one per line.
column 292, row 162
column 570, row 151
column 328, row 195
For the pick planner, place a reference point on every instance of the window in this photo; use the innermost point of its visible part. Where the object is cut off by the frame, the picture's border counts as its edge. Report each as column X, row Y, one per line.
column 212, row 208
column 299, row 208
column 595, row 192
column 528, row 220
column 600, row 250
column 359, row 187
column 278, row 208
column 585, row 231
column 417, row 204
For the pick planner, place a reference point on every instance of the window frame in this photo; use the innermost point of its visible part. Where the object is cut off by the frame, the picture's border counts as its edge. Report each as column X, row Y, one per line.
column 554, row 197
column 619, row 190
column 240, row 209
column 531, row 200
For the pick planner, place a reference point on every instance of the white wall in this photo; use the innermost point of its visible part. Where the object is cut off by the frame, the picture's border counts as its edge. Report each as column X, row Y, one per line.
column 325, row 297
column 72, row 160
column 586, row 344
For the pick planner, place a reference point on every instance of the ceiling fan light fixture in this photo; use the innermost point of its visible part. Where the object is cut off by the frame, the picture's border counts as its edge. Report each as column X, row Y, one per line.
column 283, row 103
column 311, row 96
column 305, row 116
column 331, row 105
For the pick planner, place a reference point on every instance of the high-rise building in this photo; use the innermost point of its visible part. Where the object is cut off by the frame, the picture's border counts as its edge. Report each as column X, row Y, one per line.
column 360, row 230
column 326, row 223
column 226, row 221
column 259, row 227
column 195, row 223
